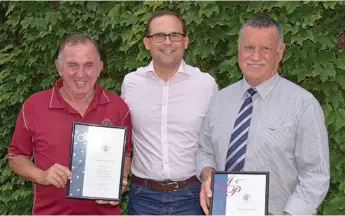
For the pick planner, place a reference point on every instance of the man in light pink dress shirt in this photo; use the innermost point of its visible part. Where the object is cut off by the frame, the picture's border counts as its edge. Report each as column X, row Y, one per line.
column 168, row 100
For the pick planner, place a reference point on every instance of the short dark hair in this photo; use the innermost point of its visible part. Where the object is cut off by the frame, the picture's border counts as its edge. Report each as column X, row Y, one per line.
column 161, row 13
column 263, row 22
column 76, row 39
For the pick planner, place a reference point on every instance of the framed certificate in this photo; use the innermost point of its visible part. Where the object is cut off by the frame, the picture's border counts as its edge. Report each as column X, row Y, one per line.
column 96, row 161
column 239, row 193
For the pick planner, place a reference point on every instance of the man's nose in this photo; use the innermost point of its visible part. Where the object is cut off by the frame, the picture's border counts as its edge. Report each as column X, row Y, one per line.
column 80, row 71
column 167, row 39
column 256, row 55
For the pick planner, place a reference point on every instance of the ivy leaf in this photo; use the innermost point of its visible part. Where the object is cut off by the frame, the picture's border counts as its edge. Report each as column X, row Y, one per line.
column 335, row 205
column 226, row 65
column 340, row 62
column 329, row 114
column 340, row 120
column 291, row 6
column 340, row 79
column 329, row 4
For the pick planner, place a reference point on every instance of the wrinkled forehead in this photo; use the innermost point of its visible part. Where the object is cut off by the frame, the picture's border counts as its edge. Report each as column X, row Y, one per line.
column 80, row 52
column 263, row 35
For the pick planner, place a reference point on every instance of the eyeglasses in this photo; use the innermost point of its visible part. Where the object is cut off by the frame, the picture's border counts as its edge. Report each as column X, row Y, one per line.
column 160, row 37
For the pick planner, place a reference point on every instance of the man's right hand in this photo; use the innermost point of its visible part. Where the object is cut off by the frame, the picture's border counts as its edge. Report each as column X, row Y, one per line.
column 206, row 193
column 56, row 175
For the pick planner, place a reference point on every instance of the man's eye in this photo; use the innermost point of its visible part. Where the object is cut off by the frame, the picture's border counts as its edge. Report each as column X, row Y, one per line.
column 175, row 35
column 73, row 66
column 159, row 36
column 89, row 65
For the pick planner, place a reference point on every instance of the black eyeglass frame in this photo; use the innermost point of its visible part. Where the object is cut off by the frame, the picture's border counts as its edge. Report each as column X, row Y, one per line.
column 165, row 36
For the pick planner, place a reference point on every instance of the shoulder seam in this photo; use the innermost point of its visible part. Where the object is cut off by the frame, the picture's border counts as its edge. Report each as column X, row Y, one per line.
column 123, row 120
column 23, row 113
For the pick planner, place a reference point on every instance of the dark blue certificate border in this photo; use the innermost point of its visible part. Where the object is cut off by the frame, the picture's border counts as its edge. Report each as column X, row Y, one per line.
column 77, row 161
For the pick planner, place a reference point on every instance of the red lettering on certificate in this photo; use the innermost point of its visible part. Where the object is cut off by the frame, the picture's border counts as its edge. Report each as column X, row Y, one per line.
column 233, row 186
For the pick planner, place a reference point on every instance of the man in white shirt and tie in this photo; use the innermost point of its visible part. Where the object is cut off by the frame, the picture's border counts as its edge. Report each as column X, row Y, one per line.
column 168, row 100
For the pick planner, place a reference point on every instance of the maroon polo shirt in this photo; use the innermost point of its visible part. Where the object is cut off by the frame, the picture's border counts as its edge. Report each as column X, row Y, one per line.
column 43, row 129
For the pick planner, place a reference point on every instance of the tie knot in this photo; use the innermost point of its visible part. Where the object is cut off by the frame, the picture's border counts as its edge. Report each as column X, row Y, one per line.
column 251, row 92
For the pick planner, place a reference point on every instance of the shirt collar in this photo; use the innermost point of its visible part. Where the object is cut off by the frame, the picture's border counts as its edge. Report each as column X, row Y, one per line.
column 263, row 89
column 181, row 68
column 56, row 100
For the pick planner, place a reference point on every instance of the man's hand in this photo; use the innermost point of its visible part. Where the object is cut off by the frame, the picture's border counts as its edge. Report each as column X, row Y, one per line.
column 206, row 193
column 114, row 203
column 56, row 175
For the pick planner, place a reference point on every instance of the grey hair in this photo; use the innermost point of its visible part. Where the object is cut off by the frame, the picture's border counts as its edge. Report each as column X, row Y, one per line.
column 263, row 22
column 77, row 39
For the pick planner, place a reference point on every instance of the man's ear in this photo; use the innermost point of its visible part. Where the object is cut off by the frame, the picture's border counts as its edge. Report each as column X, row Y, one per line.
column 58, row 66
column 281, row 51
column 146, row 43
column 186, row 42
column 100, row 67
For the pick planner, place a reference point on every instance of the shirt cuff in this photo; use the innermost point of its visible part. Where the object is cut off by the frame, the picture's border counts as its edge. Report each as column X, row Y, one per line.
column 199, row 172
column 297, row 206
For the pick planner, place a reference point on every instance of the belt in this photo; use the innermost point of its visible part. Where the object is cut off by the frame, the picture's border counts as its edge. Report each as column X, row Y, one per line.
column 164, row 186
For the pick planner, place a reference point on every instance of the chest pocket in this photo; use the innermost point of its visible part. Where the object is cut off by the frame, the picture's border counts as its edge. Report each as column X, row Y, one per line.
column 275, row 141
column 278, row 135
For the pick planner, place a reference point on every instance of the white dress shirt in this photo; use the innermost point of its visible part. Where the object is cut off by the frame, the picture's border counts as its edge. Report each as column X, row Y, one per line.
column 287, row 137
column 166, row 118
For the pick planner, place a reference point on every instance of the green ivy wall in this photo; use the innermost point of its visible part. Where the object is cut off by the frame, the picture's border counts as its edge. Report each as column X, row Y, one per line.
column 30, row 33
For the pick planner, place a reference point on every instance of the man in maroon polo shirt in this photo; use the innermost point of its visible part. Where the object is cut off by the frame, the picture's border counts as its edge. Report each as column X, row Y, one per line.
column 44, row 125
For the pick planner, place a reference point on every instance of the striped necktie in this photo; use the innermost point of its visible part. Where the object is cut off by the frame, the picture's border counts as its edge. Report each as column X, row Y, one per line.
column 239, row 137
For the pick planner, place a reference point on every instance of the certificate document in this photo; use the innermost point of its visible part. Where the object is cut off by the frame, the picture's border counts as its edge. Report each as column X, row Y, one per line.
column 240, row 193
column 96, row 161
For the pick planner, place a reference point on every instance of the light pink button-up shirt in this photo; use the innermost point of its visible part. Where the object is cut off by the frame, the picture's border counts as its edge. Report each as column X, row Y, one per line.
column 166, row 118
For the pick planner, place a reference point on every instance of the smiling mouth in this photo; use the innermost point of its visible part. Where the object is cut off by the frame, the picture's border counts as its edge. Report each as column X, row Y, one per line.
column 80, row 82
column 255, row 65
column 167, row 51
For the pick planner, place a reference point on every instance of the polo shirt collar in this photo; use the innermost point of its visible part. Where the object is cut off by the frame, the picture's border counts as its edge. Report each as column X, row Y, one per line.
column 56, row 100
column 181, row 68
column 263, row 89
